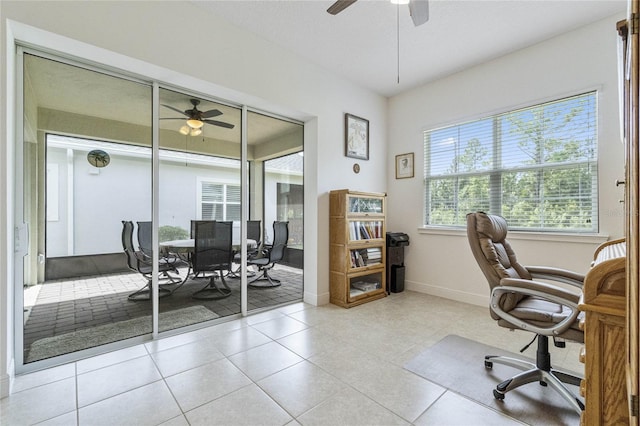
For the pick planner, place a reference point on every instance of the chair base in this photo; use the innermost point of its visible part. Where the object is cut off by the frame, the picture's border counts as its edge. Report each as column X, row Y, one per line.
column 540, row 372
column 271, row 282
column 212, row 291
column 145, row 293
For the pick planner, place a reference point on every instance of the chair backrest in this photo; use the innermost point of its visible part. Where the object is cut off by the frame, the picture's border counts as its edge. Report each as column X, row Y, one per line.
column 280, row 239
column 254, row 230
column 127, row 245
column 144, row 238
column 487, row 235
column 212, row 248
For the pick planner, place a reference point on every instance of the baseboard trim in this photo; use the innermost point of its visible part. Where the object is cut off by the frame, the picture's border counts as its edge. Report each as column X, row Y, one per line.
column 447, row 293
column 316, row 299
column 5, row 383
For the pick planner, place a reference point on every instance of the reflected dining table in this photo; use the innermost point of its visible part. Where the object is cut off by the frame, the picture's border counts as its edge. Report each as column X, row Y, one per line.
column 185, row 247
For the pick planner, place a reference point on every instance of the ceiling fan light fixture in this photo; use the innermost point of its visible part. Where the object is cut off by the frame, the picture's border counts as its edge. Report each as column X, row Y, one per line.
column 195, row 132
column 194, row 123
column 184, row 130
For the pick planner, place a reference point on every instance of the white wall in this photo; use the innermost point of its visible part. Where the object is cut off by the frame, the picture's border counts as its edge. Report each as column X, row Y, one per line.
column 585, row 59
column 150, row 38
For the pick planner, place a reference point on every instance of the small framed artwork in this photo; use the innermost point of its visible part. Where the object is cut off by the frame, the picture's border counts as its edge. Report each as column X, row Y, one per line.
column 356, row 137
column 404, row 166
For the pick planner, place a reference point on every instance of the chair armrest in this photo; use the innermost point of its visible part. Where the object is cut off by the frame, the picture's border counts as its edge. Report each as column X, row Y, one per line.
column 542, row 291
column 556, row 274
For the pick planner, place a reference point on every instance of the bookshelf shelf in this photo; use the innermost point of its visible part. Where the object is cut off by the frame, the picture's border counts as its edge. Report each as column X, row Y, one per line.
column 357, row 247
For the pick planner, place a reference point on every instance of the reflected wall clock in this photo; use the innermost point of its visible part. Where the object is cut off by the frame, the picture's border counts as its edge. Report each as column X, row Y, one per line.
column 98, row 158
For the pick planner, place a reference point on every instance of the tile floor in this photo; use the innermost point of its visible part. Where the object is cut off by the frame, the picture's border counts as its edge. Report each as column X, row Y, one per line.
column 299, row 364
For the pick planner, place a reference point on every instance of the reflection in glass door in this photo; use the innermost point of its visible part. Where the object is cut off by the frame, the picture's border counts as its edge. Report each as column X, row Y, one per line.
column 199, row 208
column 87, row 169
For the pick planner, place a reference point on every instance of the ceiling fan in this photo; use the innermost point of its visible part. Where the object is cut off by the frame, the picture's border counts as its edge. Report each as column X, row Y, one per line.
column 419, row 9
column 196, row 118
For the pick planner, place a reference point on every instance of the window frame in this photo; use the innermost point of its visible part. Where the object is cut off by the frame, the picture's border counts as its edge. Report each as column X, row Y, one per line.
column 225, row 183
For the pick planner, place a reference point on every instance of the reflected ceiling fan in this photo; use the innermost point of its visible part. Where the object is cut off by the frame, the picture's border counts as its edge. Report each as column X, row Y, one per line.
column 419, row 9
column 196, row 118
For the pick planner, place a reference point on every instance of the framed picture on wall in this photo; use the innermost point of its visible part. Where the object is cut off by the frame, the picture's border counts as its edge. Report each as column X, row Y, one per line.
column 356, row 137
column 404, row 166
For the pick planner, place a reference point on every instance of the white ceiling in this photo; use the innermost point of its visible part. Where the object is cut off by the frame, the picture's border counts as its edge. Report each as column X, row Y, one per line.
column 361, row 43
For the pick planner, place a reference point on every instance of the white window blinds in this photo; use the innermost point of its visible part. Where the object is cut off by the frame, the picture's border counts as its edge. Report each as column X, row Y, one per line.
column 220, row 201
column 535, row 166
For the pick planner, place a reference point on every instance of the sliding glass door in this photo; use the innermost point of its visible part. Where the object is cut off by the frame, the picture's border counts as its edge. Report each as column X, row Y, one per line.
column 87, row 169
column 276, row 182
column 200, row 149
column 117, row 219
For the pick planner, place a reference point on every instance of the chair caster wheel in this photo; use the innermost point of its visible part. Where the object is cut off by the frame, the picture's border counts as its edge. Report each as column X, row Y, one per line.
column 488, row 365
column 498, row 395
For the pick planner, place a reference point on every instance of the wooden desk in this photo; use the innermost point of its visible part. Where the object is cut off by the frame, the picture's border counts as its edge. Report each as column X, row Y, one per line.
column 603, row 302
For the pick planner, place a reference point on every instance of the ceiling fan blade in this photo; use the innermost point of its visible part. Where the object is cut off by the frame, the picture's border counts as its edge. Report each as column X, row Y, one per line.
column 176, row 110
column 172, row 118
column 339, row 6
column 211, row 113
column 419, row 10
column 220, row 124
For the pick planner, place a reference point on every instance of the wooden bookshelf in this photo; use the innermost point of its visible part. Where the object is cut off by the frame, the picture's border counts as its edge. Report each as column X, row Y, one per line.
column 357, row 243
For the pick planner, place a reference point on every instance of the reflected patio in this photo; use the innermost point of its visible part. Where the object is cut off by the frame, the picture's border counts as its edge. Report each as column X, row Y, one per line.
column 64, row 309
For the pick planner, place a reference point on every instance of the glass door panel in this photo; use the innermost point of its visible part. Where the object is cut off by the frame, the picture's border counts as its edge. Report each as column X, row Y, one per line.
column 200, row 151
column 87, row 168
column 276, row 193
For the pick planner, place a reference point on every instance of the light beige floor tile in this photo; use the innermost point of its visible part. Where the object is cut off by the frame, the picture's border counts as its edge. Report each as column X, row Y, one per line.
column 42, row 377
column 181, row 420
column 109, row 381
column 185, row 357
column 301, row 387
column 310, row 341
column 203, row 384
column 38, row 404
column 111, row 358
column 293, row 308
column 68, row 419
column 170, row 342
column 352, row 408
column 454, row 410
column 232, row 410
column 147, row 405
column 240, row 340
column 280, row 327
column 263, row 316
column 348, row 363
column 320, row 314
column 264, row 360
column 402, row 392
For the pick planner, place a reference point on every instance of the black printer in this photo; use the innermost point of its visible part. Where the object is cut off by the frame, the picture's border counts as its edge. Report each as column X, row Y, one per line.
column 397, row 239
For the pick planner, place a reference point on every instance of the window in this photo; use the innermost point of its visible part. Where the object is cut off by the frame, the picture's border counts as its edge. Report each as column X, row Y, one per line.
column 535, row 166
column 219, row 201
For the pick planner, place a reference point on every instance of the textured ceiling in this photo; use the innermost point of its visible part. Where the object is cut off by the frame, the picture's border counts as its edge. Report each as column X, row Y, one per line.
column 361, row 43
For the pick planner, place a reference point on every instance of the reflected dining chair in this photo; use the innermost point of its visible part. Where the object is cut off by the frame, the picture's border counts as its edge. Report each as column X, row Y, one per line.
column 254, row 231
column 271, row 254
column 139, row 262
column 212, row 253
column 171, row 260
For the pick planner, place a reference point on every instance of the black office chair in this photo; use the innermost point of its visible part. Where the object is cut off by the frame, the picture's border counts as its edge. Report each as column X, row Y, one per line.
column 212, row 253
column 139, row 262
column 171, row 260
column 271, row 255
column 519, row 302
